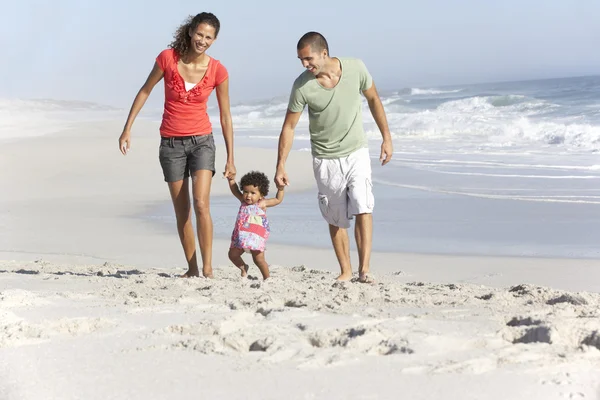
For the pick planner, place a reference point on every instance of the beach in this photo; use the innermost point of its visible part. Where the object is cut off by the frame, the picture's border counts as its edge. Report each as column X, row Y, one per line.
column 91, row 305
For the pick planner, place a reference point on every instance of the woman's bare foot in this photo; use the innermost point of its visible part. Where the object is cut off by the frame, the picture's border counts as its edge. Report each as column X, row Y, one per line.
column 191, row 273
column 244, row 268
column 207, row 272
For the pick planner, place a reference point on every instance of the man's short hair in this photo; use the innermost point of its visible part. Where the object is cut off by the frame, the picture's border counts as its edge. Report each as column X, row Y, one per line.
column 315, row 40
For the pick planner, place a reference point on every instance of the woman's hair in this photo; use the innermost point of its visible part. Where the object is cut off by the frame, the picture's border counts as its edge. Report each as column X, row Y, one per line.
column 181, row 38
column 257, row 179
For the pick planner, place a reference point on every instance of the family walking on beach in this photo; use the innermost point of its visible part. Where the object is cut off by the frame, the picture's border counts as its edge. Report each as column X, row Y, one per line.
column 330, row 87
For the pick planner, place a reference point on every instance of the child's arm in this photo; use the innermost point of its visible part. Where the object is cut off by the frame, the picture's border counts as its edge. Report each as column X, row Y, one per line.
column 235, row 190
column 275, row 200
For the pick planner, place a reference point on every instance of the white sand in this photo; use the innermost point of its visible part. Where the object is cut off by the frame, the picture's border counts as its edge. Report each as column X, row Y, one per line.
column 90, row 307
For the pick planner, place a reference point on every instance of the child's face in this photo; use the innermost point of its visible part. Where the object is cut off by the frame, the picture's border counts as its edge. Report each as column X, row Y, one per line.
column 251, row 194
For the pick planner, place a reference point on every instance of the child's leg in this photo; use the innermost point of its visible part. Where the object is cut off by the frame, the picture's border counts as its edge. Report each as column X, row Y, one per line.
column 261, row 263
column 235, row 255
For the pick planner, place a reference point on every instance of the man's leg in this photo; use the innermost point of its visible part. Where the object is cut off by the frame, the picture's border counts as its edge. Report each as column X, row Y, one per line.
column 333, row 204
column 363, row 232
column 360, row 204
column 341, row 246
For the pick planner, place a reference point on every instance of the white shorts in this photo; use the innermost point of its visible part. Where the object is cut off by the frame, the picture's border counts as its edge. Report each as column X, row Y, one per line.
column 345, row 187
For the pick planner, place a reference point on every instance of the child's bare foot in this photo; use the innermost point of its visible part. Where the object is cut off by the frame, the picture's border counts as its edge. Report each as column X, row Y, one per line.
column 244, row 268
column 344, row 277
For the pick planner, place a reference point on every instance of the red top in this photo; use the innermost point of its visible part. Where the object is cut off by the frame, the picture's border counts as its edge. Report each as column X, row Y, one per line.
column 185, row 111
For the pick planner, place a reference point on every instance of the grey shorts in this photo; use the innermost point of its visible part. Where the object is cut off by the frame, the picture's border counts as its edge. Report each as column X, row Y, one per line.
column 181, row 156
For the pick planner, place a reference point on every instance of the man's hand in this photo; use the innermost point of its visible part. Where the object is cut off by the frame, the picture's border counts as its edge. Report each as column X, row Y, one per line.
column 386, row 152
column 281, row 178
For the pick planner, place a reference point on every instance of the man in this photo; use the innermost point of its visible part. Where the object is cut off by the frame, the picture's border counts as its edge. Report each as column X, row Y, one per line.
column 331, row 89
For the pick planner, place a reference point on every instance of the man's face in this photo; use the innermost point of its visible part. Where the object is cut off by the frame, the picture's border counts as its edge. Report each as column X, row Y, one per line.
column 312, row 60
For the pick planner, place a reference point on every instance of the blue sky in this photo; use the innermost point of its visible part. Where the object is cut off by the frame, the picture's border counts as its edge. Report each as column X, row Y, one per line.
column 102, row 51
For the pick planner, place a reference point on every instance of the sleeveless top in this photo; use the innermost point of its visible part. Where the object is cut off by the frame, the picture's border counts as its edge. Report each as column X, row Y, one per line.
column 251, row 229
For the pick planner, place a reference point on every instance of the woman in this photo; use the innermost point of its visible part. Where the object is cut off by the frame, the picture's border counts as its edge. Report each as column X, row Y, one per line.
column 187, row 146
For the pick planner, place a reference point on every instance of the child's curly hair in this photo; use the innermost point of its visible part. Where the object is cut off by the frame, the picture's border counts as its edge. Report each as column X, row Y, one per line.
column 258, row 179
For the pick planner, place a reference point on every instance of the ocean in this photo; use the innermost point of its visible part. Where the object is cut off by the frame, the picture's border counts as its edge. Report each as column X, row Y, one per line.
column 507, row 168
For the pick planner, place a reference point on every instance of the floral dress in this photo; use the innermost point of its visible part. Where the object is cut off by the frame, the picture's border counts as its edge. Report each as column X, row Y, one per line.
column 251, row 228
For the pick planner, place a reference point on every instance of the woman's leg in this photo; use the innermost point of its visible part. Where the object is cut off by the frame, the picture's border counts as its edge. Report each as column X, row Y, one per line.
column 201, row 181
column 180, row 195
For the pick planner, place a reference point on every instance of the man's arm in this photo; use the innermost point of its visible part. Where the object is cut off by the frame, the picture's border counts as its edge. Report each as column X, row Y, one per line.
column 286, row 138
column 378, row 113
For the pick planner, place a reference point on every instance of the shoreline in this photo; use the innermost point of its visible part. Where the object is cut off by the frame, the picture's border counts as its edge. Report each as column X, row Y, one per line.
column 312, row 231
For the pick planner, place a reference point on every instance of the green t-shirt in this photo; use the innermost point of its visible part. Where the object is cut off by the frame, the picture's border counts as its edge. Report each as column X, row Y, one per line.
column 335, row 115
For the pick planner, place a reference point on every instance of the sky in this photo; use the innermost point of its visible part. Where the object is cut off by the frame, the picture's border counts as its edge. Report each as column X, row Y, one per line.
column 103, row 50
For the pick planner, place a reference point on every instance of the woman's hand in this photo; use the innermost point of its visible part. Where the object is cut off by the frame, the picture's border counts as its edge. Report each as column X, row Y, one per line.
column 230, row 171
column 125, row 142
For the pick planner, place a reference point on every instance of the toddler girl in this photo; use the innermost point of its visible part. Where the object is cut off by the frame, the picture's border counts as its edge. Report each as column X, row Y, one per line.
column 252, row 226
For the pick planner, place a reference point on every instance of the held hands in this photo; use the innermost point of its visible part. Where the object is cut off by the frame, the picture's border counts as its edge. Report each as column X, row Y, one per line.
column 386, row 152
column 230, row 171
column 125, row 142
column 281, row 178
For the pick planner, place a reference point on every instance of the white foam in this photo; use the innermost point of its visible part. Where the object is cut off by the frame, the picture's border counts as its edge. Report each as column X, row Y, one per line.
column 417, row 91
column 500, row 122
column 492, row 122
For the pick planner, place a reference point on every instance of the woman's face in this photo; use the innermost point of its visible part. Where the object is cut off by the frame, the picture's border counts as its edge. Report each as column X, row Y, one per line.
column 202, row 38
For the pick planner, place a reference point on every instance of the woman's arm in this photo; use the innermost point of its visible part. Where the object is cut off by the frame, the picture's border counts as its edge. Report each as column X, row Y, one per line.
column 226, row 126
column 153, row 78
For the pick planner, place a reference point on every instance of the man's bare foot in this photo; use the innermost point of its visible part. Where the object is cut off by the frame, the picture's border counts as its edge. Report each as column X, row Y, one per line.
column 244, row 268
column 191, row 273
column 366, row 278
column 344, row 277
